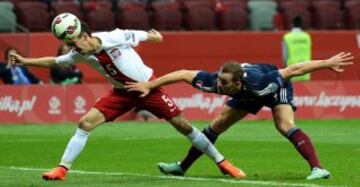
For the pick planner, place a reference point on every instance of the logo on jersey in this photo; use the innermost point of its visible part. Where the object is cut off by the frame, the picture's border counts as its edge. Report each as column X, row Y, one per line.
column 200, row 85
column 129, row 35
column 115, row 53
column 271, row 88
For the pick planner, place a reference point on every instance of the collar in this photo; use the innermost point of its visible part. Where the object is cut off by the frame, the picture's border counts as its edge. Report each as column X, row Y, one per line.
column 296, row 29
column 97, row 51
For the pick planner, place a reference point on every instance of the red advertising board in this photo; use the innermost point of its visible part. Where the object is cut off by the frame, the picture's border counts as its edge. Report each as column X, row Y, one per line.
column 79, row 98
column 56, row 104
column 330, row 99
column 32, row 104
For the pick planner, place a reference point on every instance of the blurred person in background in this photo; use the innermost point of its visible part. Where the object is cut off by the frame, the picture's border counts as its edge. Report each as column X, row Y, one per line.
column 16, row 75
column 68, row 74
column 296, row 47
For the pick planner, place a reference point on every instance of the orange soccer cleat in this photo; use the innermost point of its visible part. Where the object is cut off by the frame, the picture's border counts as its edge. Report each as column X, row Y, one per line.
column 227, row 168
column 58, row 173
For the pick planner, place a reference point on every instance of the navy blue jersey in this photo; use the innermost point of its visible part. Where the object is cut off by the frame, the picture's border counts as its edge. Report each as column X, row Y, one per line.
column 261, row 79
column 262, row 85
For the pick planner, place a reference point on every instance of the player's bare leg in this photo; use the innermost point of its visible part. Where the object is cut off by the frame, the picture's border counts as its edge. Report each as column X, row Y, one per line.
column 284, row 121
column 227, row 117
column 87, row 123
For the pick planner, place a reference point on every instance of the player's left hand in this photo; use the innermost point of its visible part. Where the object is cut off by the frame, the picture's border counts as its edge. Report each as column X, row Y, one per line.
column 154, row 36
column 142, row 87
column 153, row 31
column 337, row 62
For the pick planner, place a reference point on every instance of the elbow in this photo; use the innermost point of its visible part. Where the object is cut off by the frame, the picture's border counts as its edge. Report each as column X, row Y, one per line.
column 289, row 72
column 183, row 72
column 295, row 72
column 185, row 75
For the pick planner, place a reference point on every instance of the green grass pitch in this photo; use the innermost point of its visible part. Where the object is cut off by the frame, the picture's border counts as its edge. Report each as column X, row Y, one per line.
column 125, row 154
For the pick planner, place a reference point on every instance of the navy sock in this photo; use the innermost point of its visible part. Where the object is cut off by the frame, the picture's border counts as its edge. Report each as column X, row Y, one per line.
column 193, row 153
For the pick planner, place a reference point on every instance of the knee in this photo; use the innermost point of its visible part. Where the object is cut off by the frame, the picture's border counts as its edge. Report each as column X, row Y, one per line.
column 181, row 124
column 85, row 124
column 219, row 125
column 285, row 127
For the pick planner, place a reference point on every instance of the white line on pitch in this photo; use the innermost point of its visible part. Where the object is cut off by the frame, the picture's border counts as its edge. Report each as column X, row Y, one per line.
column 232, row 181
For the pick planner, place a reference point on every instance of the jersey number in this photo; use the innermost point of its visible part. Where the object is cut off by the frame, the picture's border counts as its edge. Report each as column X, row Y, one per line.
column 167, row 100
column 110, row 69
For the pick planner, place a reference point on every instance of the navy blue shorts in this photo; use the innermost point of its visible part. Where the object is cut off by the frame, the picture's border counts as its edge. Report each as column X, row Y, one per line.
column 253, row 104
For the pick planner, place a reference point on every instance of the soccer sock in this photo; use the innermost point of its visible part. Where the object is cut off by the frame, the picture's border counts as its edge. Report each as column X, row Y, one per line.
column 74, row 147
column 194, row 153
column 304, row 146
column 200, row 141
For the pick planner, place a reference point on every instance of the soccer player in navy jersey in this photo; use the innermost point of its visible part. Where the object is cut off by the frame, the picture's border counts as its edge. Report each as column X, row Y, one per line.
column 250, row 86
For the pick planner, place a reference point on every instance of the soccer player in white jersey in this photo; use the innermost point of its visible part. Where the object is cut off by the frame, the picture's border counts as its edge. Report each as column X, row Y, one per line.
column 112, row 55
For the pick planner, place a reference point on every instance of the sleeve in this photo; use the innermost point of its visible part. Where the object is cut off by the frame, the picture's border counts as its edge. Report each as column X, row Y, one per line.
column 205, row 81
column 129, row 37
column 268, row 83
column 71, row 57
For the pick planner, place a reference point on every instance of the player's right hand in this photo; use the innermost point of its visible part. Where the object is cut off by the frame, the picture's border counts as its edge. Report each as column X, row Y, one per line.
column 15, row 59
column 142, row 87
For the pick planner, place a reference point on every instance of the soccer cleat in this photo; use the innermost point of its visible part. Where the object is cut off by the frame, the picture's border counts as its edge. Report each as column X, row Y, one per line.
column 228, row 169
column 58, row 173
column 318, row 173
column 171, row 168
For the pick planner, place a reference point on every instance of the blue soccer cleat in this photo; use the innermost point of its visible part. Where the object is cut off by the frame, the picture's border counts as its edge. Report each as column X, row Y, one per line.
column 171, row 168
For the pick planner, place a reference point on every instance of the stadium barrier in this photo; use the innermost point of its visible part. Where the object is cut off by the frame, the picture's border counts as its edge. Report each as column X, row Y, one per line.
column 205, row 50
column 57, row 104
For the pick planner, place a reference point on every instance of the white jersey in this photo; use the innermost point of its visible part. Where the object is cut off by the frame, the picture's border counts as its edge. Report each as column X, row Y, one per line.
column 117, row 61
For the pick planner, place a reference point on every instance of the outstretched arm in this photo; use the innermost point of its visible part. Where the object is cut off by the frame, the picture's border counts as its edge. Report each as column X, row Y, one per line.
column 334, row 63
column 40, row 62
column 176, row 76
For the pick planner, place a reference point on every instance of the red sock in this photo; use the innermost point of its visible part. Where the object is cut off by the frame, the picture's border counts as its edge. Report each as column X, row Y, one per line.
column 304, row 146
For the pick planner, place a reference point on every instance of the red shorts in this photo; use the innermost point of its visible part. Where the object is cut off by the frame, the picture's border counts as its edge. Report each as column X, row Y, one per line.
column 117, row 102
